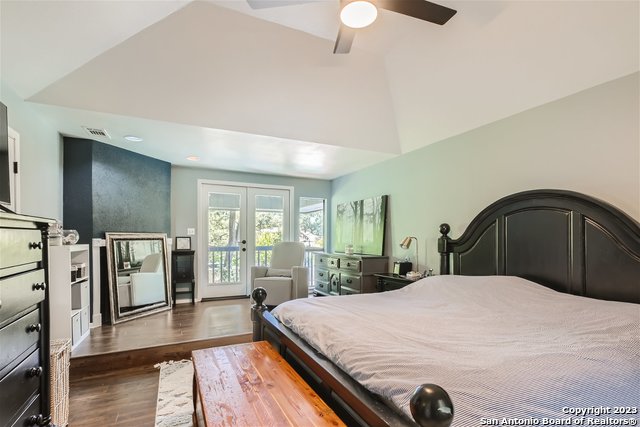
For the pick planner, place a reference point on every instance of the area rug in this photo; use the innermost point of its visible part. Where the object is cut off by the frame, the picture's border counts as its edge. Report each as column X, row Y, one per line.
column 175, row 394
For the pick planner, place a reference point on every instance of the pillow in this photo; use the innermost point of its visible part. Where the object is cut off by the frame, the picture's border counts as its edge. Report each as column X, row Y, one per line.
column 278, row 272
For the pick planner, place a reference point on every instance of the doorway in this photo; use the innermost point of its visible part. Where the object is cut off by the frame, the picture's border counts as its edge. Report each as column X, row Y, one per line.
column 14, row 170
column 238, row 226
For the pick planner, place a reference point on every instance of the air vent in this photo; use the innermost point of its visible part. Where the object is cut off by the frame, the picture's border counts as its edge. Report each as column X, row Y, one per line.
column 96, row 133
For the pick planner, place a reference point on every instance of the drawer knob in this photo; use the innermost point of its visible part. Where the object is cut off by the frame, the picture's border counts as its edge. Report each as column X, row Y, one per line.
column 349, row 281
column 35, row 245
column 35, row 420
column 35, row 327
column 34, row 372
column 321, row 274
column 39, row 286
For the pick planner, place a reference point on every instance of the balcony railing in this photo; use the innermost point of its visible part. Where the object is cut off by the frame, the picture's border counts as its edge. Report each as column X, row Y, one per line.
column 224, row 262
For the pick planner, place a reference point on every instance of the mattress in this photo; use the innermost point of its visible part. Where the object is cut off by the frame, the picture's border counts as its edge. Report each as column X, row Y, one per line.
column 508, row 351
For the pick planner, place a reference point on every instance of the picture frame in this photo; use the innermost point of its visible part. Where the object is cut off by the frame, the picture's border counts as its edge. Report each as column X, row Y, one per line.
column 183, row 243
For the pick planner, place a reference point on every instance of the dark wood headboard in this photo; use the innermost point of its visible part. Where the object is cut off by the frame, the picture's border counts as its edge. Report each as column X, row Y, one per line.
column 560, row 239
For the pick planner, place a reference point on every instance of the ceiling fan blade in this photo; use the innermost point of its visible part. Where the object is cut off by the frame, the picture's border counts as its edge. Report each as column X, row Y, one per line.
column 420, row 9
column 264, row 4
column 344, row 39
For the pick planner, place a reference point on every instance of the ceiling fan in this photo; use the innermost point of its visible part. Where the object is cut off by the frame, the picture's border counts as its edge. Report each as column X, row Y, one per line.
column 355, row 14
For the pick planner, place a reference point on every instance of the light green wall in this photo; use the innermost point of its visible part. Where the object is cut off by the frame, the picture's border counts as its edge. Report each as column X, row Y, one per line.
column 588, row 142
column 184, row 187
column 40, row 158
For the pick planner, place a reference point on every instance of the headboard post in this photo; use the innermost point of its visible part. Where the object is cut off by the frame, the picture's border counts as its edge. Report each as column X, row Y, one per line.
column 443, row 248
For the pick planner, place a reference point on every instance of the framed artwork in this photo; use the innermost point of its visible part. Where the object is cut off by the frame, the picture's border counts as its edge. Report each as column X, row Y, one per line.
column 183, row 243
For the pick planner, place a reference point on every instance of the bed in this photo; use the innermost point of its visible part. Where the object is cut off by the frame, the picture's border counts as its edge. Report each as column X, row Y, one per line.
column 553, row 267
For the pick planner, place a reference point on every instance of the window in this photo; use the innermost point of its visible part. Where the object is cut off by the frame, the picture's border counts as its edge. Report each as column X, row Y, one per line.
column 311, row 229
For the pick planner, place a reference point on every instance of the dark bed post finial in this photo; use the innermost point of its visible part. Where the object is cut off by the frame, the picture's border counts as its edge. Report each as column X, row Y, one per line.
column 431, row 406
column 259, row 295
column 443, row 248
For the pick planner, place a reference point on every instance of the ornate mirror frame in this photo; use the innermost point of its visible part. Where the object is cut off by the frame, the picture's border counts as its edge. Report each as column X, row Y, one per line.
column 112, row 239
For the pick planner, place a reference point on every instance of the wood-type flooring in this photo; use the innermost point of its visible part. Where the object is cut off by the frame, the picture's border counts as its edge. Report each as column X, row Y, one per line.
column 112, row 378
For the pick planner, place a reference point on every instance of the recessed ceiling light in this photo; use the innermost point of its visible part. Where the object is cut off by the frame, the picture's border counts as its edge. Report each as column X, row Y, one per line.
column 133, row 138
column 193, row 158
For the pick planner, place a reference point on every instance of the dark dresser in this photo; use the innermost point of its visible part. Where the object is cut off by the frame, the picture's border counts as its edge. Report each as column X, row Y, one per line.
column 341, row 274
column 24, row 322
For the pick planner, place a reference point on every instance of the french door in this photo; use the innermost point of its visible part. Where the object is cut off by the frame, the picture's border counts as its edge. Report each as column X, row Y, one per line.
column 238, row 226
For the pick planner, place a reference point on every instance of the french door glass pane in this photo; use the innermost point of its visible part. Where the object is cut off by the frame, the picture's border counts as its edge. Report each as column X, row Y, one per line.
column 311, row 227
column 269, row 226
column 223, row 227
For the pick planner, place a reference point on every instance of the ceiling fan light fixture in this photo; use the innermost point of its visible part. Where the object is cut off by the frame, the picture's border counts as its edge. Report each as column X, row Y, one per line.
column 358, row 14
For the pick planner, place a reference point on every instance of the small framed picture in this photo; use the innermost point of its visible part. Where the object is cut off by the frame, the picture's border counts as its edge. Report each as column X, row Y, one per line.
column 183, row 243
column 127, row 265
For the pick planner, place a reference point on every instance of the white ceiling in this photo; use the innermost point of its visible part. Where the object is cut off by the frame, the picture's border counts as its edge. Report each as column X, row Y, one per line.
column 260, row 90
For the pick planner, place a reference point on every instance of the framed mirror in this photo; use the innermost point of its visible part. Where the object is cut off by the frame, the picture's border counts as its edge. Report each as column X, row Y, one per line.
column 137, row 264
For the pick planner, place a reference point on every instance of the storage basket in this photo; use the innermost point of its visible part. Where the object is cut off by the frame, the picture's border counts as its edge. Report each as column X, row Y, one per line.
column 59, row 382
column 81, row 271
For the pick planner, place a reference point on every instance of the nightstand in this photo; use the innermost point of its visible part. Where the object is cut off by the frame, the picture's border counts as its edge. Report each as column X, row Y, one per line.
column 182, row 274
column 391, row 282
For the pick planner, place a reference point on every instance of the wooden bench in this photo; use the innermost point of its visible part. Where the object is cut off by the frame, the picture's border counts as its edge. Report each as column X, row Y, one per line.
column 252, row 385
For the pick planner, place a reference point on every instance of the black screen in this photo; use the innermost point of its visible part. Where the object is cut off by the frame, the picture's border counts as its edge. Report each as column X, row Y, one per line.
column 5, row 188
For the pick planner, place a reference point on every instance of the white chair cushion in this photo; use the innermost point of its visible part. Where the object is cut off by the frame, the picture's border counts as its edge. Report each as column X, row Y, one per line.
column 279, row 272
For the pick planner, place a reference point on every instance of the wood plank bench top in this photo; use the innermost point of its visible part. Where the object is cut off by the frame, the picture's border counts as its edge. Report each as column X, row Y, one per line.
column 252, row 385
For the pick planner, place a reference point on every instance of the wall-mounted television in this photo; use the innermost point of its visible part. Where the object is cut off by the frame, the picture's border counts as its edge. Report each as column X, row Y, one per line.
column 5, row 170
column 362, row 224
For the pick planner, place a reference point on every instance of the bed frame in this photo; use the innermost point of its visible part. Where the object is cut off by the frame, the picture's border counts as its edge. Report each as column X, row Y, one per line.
column 563, row 240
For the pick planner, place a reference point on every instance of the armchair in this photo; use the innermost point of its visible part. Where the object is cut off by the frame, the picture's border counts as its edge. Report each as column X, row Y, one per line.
column 286, row 278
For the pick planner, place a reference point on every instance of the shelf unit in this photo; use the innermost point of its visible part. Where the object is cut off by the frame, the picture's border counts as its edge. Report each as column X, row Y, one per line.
column 70, row 299
column 182, row 274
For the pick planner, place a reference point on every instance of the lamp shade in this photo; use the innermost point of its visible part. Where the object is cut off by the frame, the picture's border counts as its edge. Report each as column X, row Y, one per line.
column 358, row 14
column 406, row 242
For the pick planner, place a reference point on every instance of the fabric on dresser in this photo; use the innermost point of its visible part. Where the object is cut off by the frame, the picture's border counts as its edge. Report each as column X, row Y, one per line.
column 500, row 346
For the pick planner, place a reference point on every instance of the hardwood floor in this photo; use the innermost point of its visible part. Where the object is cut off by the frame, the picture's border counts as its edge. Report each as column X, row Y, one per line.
column 183, row 323
column 122, row 398
column 112, row 378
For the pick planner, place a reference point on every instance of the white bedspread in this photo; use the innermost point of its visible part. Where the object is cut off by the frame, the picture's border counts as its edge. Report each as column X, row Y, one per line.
column 500, row 346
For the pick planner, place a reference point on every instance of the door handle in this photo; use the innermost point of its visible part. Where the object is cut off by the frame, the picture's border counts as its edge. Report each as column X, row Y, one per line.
column 244, row 249
column 244, row 242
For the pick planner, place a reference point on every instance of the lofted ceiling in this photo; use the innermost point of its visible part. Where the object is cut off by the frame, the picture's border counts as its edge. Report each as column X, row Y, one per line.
column 261, row 91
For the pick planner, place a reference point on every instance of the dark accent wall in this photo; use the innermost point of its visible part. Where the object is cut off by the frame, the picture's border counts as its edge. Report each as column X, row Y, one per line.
column 131, row 192
column 77, row 191
column 109, row 189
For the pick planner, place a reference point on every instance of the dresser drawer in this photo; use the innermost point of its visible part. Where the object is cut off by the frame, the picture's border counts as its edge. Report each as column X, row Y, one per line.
column 350, row 264
column 350, row 281
column 334, row 283
column 347, row 291
column 18, row 336
column 20, row 292
column 30, row 416
column 19, row 385
column 325, row 261
column 321, row 275
column 322, row 287
column 19, row 246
